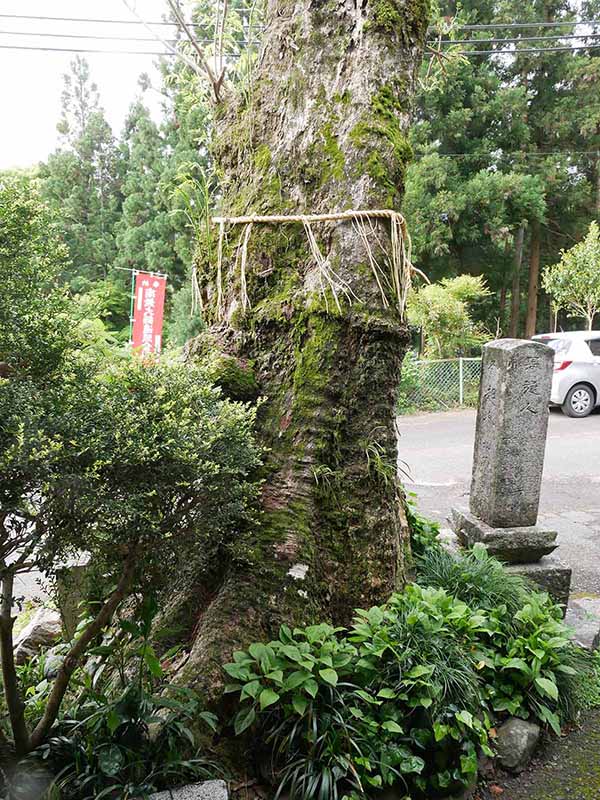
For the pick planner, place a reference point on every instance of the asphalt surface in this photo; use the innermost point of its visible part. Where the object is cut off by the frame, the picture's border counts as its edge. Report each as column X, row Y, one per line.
column 435, row 450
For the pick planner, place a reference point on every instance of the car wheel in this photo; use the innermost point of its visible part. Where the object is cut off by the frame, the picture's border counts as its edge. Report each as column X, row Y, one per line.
column 579, row 401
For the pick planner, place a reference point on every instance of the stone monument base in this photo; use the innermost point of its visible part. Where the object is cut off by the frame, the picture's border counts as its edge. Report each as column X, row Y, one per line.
column 516, row 545
column 550, row 574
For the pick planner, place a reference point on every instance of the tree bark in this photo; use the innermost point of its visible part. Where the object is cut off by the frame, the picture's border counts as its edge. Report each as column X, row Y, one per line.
column 515, row 298
column 534, row 281
column 12, row 694
column 502, row 308
column 325, row 131
column 78, row 650
column 598, row 186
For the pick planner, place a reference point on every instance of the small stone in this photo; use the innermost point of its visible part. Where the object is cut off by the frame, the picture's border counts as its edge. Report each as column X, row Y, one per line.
column 516, row 742
column 207, row 790
column 44, row 630
column 583, row 616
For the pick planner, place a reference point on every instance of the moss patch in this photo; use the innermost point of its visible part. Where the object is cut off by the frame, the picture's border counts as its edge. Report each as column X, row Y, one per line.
column 235, row 377
column 380, row 135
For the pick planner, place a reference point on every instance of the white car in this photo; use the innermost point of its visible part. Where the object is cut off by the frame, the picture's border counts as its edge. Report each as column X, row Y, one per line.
column 576, row 378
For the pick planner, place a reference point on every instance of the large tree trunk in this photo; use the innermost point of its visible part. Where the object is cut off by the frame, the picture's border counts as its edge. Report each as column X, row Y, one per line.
column 534, row 281
column 324, row 130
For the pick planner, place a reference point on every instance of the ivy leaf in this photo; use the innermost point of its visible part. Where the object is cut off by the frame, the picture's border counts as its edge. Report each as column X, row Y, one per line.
column 330, row 676
column 419, row 671
column 243, row 719
column 439, row 731
column 267, row 698
column 111, row 760
column 296, row 678
column 250, row 690
column 299, row 704
column 517, row 663
column 547, row 687
column 465, row 717
column 412, row 764
column 391, row 726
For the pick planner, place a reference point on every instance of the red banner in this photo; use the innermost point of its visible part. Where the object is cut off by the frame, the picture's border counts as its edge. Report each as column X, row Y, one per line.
column 149, row 302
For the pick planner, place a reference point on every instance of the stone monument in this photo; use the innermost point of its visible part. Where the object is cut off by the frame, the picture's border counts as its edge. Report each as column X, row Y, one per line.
column 508, row 459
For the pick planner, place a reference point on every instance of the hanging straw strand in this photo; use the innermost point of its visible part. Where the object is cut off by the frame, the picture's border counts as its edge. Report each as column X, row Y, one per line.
column 398, row 282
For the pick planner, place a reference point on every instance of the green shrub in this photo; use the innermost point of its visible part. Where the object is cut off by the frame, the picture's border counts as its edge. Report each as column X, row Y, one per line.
column 532, row 669
column 423, row 532
column 407, row 696
column 124, row 731
column 420, row 652
column 297, row 689
column 472, row 576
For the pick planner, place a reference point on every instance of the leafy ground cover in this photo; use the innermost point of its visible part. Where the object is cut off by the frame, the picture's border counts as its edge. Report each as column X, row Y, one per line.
column 409, row 695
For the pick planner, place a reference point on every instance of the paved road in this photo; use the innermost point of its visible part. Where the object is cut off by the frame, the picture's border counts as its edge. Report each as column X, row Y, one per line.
column 436, row 450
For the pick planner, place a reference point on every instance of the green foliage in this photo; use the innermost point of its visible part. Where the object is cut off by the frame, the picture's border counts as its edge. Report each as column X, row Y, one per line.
column 34, row 324
column 297, row 687
column 587, row 694
column 81, row 180
column 529, row 665
column 125, row 731
column 143, row 465
column 442, row 311
column 574, row 283
column 501, row 142
column 474, row 577
column 407, row 697
column 144, row 233
column 423, row 533
column 137, row 455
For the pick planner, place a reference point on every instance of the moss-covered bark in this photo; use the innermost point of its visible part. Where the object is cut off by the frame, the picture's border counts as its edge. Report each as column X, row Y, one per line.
column 323, row 130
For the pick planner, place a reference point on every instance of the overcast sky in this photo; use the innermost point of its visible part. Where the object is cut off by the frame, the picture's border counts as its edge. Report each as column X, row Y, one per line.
column 31, row 81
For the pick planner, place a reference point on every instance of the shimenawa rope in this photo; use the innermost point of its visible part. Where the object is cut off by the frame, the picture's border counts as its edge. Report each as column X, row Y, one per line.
column 397, row 282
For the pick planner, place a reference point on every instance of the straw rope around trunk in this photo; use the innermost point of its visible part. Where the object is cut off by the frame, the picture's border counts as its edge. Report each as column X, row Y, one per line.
column 396, row 282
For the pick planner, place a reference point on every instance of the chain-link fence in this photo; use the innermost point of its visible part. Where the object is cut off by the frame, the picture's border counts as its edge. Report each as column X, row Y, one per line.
column 438, row 384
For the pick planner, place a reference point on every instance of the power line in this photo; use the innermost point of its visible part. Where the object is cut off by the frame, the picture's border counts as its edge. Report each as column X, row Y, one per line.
column 515, row 40
column 500, row 25
column 97, row 21
column 105, row 51
column 520, row 50
column 84, row 50
column 105, row 38
column 501, row 154
column 81, row 19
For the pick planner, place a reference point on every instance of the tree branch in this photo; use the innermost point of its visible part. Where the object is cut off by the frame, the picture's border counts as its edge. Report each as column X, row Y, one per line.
column 79, row 648
column 216, row 81
column 199, row 70
column 12, row 695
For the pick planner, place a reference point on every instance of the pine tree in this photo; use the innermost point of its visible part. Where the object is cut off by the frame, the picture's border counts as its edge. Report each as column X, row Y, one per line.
column 145, row 234
column 488, row 192
column 81, row 181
